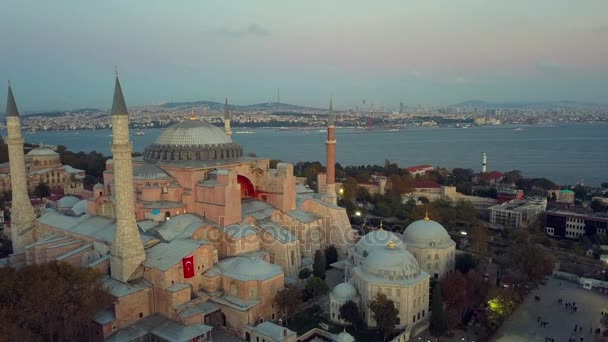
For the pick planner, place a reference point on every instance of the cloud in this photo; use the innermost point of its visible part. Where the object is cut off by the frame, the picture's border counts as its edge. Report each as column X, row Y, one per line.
column 548, row 67
column 600, row 29
column 256, row 30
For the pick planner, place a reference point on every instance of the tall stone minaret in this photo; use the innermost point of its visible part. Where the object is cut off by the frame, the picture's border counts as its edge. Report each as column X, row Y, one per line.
column 330, row 146
column 484, row 162
column 23, row 218
column 127, row 248
column 227, row 128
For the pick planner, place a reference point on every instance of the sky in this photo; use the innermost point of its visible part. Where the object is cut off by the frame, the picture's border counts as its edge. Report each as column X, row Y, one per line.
column 61, row 54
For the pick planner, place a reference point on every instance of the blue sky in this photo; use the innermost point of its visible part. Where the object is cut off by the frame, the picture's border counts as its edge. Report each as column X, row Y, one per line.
column 61, row 54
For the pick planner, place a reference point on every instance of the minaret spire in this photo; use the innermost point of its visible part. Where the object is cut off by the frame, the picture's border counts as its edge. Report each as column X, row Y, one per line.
column 227, row 119
column 23, row 216
column 127, row 252
column 330, row 151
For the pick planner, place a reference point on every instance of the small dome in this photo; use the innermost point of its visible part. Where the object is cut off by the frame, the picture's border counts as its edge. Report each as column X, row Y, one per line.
column 98, row 186
column 80, row 208
column 192, row 132
column 424, row 232
column 149, row 171
column 67, row 202
column 42, row 151
column 344, row 337
column 391, row 263
column 344, row 292
column 378, row 238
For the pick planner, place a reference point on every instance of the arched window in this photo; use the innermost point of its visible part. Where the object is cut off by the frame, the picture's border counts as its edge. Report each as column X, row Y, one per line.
column 293, row 258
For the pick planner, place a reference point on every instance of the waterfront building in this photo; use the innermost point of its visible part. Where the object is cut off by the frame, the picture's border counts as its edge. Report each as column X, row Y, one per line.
column 565, row 196
column 508, row 194
column 419, row 170
column 191, row 236
column 517, row 213
column 572, row 225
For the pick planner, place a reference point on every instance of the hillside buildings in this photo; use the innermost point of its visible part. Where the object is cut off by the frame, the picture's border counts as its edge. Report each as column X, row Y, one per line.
column 572, row 225
column 518, row 213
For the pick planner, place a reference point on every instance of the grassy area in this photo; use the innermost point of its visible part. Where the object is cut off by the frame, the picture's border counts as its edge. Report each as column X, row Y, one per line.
column 308, row 319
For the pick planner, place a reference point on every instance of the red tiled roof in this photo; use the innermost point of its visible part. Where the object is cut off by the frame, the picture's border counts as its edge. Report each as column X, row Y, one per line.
column 425, row 184
column 492, row 175
column 418, row 167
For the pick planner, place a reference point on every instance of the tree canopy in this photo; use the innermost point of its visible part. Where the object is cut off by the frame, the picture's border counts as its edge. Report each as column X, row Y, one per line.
column 318, row 266
column 349, row 312
column 54, row 301
column 384, row 313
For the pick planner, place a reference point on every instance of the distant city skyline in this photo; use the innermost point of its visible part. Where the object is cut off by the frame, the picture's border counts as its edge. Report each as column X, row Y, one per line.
column 61, row 55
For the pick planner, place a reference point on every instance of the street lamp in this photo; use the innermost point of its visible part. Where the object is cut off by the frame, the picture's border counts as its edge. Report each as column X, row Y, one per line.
column 463, row 233
column 357, row 213
column 341, row 191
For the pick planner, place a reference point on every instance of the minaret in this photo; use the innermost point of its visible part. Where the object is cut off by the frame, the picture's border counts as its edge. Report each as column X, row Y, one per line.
column 484, row 161
column 23, row 218
column 127, row 248
column 330, row 146
column 227, row 128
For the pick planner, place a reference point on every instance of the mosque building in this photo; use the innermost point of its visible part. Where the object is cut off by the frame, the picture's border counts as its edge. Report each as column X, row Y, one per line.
column 43, row 165
column 398, row 266
column 192, row 236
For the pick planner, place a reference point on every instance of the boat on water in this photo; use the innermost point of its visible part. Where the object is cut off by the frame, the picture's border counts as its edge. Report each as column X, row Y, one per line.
column 243, row 132
column 139, row 133
column 393, row 130
column 519, row 129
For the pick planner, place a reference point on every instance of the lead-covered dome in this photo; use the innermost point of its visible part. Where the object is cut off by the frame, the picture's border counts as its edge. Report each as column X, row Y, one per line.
column 192, row 132
column 344, row 292
column 427, row 233
column 192, row 140
column 377, row 238
column 391, row 264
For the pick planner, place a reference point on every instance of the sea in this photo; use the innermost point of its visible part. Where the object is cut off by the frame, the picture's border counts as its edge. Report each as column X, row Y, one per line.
column 564, row 153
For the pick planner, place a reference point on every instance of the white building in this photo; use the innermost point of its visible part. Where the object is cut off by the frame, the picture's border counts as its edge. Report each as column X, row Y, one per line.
column 517, row 213
column 432, row 247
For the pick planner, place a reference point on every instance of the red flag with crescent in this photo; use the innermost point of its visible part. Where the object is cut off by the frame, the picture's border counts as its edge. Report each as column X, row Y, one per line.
column 188, row 263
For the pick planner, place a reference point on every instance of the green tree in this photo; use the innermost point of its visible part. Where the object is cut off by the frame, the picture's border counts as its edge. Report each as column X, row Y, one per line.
column 318, row 266
column 304, row 273
column 331, row 255
column 316, row 287
column 438, row 318
column 42, row 190
column 288, row 300
column 50, row 302
column 598, row 206
column 349, row 312
column 384, row 313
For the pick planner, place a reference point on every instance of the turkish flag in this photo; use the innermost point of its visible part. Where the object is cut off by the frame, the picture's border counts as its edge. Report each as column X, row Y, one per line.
column 188, row 263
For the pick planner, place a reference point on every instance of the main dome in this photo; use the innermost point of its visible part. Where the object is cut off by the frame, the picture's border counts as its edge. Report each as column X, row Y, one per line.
column 192, row 132
column 377, row 238
column 192, row 140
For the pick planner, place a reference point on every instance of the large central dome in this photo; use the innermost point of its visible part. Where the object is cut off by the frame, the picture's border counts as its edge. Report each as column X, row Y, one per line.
column 192, row 140
column 192, row 132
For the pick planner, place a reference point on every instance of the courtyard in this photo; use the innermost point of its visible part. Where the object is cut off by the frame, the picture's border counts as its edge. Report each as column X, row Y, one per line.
column 522, row 325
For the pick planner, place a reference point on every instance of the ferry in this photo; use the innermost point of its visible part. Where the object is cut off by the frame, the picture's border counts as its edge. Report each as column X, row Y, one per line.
column 519, row 129
column 139, row 133
column 243, row 132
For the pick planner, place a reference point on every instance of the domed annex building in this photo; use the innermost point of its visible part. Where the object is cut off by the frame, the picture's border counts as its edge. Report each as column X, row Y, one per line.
column 399, row 267
column 191, row 236
column 432, row 246
column 42, row 164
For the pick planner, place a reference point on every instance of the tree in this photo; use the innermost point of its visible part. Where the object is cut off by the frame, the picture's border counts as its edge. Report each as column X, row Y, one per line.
column 455, row 293
column 316, row 286
column 479, row 238
column 438, row 319
column 288, row 300
column 49, row 302
column 42, row 190
column 465, row 262
column 304, row 273
column 580, row 191
column 331, row 255
column 598, row 206
column 349, row 312
column 318, row 266
column 384, row 313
